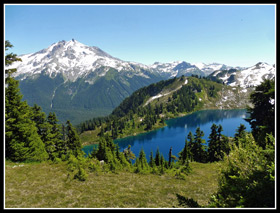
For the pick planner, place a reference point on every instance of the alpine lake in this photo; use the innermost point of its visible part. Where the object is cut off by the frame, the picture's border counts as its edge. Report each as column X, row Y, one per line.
column 175, row 133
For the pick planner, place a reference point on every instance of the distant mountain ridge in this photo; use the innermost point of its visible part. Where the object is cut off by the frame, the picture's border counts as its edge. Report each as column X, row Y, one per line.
column 74, row 60
column 78, row 81
column 248, row 77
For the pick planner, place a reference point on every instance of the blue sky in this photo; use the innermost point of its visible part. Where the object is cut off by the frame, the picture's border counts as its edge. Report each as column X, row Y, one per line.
column 237, row 35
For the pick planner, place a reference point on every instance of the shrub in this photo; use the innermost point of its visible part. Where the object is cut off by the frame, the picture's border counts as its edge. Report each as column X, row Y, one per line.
column 247, row 180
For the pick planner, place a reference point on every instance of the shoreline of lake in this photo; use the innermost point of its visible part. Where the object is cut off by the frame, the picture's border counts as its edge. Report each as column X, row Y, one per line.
column 218, row 113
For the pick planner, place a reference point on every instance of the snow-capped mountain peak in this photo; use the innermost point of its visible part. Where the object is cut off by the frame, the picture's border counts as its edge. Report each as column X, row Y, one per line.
column 247, row 77
column 254, row 75
column 71, row 58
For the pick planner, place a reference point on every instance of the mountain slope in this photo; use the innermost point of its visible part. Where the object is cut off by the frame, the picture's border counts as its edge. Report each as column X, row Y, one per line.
column 77, row 81
column 249, row 77
column 179, row 68
column 148, row 107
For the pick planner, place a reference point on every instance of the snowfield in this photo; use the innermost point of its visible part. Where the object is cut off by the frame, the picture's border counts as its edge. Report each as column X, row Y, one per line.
column 254, row 75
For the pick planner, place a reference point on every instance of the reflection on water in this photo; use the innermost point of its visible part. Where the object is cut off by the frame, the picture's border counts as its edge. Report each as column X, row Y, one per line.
column 177, row 129
column 205, row 116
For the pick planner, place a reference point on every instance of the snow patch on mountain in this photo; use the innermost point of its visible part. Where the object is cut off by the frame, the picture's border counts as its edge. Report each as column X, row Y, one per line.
column 161, row 94
column 254, row 75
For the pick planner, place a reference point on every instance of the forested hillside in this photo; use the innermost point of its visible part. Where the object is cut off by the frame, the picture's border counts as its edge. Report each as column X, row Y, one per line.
column 148, row 108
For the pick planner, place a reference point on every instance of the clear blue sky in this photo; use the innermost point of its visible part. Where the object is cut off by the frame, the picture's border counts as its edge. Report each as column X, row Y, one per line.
column 231, row 34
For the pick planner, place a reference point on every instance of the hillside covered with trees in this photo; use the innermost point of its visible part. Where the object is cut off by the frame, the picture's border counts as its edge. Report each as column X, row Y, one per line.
column 148, row 108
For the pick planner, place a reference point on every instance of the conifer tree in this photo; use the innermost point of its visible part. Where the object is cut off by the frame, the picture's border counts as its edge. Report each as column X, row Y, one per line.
column 199, row 152
column 73, row 141
column 262, row 115
column 22, row 141
column 191, row 145
column 213, row 143
column 218, row 144
column 157, row 157
column 170, row 156
column 152, row 161
column 10, row 58
column 39, row 118
column 162, row 164
column 54, row 144
column 141, row 163
column 240, row 133
column 101, row 152
column 185, row 154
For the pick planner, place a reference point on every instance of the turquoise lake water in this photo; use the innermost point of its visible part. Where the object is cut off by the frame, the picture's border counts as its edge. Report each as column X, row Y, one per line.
column 174, row 134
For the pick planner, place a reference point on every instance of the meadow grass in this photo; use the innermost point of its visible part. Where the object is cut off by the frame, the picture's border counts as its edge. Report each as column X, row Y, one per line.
column 46, row 185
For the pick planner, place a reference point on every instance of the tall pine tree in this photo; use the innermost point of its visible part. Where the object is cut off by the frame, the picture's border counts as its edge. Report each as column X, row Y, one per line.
column 199, row 152
column 55, row 146
column 22, row 141
column 213, row 141
column 73, row 140
column 262, row 115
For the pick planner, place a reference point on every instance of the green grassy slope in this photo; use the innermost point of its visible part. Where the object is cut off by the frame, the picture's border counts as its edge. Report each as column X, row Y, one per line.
column 46, row 185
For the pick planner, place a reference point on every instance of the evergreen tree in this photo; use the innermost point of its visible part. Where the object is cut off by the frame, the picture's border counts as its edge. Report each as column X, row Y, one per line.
column 141, row 163
column 262, row 115
column 163, row 164
column 22, row 141
column 73, row 140
column 101, row 152
column 54, row 144
column 39, row 118
column 213, row 143
column 10, row 58
column 218, row 144
column 240, row 133
column 185, row 154
column 191, row 145
column 199, row 153
column 152, row 161
column 157, row 158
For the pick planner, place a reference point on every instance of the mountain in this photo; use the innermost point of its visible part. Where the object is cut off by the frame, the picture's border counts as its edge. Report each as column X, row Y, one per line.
column 179, row 68
column 248, row 77
column 209, row 68
column 74, row 60
column 77, row 81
